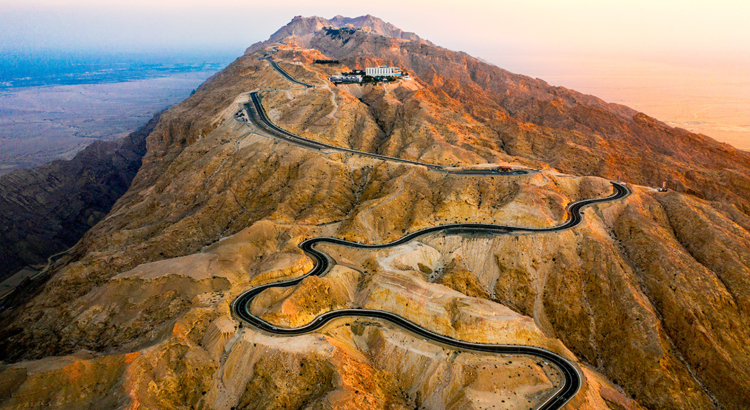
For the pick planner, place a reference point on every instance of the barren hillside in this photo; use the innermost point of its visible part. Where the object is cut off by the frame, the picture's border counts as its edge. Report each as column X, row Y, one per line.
column 647, row 296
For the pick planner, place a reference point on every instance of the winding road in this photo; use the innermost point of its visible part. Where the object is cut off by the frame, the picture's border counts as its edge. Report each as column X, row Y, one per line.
column 286, row 75
column 260, row 118
column 323, row 262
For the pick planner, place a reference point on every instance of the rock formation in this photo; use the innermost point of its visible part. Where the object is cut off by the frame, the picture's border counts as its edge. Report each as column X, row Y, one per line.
column 47, row 209
column 305, row 27
column 648, row 294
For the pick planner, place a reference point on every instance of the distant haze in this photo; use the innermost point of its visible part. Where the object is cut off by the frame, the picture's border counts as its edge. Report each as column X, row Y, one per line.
column 711, row 37
column 689, row 29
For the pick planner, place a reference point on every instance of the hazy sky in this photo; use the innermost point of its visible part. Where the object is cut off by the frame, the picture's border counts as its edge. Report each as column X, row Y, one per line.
column 686, row 62
column 690, row 30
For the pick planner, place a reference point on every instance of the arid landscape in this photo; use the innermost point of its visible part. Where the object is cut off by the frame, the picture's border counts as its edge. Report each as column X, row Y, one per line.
column 42, row 124
column 642, row 293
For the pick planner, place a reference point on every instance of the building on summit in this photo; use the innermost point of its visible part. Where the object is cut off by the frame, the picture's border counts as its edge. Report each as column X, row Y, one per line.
column 383, row 71
column 369, row 75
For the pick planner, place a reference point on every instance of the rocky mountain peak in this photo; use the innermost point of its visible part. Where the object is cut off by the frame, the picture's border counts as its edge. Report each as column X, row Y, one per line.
column 646, row 294
column 306, row 27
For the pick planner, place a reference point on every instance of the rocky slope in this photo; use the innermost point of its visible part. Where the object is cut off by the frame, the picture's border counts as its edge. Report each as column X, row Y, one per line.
column 648, row 295
column 302, row 28
column 47, row 209
column 526, row 117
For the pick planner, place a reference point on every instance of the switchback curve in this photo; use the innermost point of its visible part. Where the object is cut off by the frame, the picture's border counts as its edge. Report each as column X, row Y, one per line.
column 322, row 262
column 573, row 377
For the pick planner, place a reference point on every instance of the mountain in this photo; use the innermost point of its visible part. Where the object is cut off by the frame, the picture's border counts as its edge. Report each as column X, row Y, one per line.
column 647, row 295
column 304, row 27
column 47, row 209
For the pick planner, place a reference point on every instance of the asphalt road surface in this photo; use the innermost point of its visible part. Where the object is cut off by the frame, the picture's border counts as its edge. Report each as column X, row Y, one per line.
column 323, row 262
column 285, row 74
column 259, row 117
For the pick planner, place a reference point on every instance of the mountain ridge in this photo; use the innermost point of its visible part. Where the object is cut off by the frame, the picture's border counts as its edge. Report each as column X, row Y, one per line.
column 645, row 294
column 306, row 26
column 49, row 208
column 659, row 152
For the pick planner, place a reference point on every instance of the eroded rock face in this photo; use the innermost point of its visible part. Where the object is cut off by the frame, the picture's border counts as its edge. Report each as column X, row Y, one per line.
column 47, row 209
column 304, row 27
column 572, row 132
column 648, row 294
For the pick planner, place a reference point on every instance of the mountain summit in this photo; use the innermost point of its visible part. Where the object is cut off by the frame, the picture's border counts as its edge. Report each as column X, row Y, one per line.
column 301, row 28
column 470, row 203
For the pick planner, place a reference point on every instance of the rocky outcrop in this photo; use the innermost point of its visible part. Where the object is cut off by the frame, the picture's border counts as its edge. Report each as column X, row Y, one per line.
column 647, row 294
column 376, row 25
column 572, row 132
column 47, row 209
column 457, row 277
column 304, row 27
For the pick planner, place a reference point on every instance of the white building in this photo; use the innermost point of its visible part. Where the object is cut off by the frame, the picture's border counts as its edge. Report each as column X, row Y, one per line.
column 383, row 71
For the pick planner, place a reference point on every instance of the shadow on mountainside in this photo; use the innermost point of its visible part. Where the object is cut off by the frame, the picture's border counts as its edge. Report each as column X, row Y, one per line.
column 47, row 209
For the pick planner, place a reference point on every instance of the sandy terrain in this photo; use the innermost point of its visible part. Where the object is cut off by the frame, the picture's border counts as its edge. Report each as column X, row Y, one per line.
column 41, row 124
